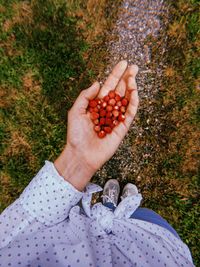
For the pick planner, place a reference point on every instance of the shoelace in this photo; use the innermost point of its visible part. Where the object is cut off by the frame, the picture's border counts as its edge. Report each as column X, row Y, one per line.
column 110, row 197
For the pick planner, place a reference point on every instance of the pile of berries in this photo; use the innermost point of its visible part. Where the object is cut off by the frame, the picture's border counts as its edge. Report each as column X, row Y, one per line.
column 107, row 113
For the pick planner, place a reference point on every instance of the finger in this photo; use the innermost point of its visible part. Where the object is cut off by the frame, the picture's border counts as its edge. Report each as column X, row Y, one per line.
column 132, row 107
column 82, row 101
column 131, row 82
column 113, row 78
column 123, row 127
column 121, row 87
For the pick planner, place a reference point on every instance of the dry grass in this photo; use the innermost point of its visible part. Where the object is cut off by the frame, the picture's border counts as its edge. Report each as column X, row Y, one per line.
column 95, row 19
column 174, row 189
column 22, row 13
column 34, row 98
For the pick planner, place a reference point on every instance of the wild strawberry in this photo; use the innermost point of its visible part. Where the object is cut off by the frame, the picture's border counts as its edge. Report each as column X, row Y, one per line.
column 119, row 103
column 97, row 128
column 106, row 98
column 108, row 121
column 99, row 101
column 109, row 114
column 94, row 115
column 107, row 129
column 101, row 134
column 115, row 122
column 96, row 122
column 102, row 113
column 112, row 94
column 112, row 125
column 109, row 108
column 115, row 113
column 121, row 117
column 117, row 97
column 104, row 104
column 124, row 102
column 112, row 102
column 123, row 109
column 93, row 103
column 96, row 109
column 102, row 121
column 91, row 110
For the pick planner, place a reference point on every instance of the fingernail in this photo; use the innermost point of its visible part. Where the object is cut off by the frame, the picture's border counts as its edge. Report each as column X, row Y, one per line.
column 124, row 63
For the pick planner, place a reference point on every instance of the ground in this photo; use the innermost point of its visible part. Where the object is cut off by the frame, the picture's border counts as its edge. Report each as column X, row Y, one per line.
column 49, row 54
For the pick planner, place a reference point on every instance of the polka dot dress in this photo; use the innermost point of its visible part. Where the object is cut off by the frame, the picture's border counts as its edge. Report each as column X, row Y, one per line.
column 46, row 227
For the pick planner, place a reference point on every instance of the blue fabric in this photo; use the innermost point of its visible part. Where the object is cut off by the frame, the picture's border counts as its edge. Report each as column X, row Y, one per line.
column 148, row 216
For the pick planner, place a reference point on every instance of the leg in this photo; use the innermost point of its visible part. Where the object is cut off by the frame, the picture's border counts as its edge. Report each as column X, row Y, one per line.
column 109, row 205
column 151, row 216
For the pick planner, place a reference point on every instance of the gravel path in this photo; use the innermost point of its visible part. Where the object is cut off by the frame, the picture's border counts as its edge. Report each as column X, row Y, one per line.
column 139, row 23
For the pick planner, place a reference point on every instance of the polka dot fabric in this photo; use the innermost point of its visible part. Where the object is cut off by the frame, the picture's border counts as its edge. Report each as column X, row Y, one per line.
column 46, row 227
column 55, row 195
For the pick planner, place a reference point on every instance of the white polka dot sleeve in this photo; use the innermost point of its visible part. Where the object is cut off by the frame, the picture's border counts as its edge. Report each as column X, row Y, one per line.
column 46, row 201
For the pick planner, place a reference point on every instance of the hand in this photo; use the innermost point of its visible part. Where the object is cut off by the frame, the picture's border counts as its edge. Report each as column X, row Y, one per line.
column 83, row 145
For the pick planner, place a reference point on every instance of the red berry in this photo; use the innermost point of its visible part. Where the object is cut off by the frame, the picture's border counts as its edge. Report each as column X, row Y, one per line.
column 112, row 102
column 96, row 109
column 115, row 113
column 115, row 122
column 102, row 113
column 104, row 104
column 112, row 125
column 91, row 110
column 102, row 121
column 107, row 129
column 109, row 114
column 93, row 103
column 116, row 107
column 106, row 98
column 99, row 101
column 121, row 117
column 108, row 121
column 117, row 97
column 119, row 103
column 109, row 108
column 94, row 115
column 101, row 134
column 97, row 128
column 96, row 121
column 111, row 94
column 124, row 102
column 123, row 109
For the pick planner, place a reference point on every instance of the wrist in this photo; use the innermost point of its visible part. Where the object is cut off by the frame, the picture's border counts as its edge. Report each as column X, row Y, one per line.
column 72, row 168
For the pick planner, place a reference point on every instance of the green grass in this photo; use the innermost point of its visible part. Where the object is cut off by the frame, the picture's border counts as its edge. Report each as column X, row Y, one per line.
column 50, row 47
column 46, row 59
column 175, row 177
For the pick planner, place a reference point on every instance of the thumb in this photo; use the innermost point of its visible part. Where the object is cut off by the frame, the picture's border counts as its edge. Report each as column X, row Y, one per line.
column 86, row 95
column 92, row 91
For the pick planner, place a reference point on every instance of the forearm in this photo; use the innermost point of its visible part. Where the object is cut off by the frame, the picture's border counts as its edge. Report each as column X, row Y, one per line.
column 72, row 168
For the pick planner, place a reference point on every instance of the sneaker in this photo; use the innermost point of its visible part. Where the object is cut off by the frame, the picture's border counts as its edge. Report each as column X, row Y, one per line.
column 129, row 190
column 111, row 192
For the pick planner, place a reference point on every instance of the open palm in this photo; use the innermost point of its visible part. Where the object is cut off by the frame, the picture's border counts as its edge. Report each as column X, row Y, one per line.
column 92, row 150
